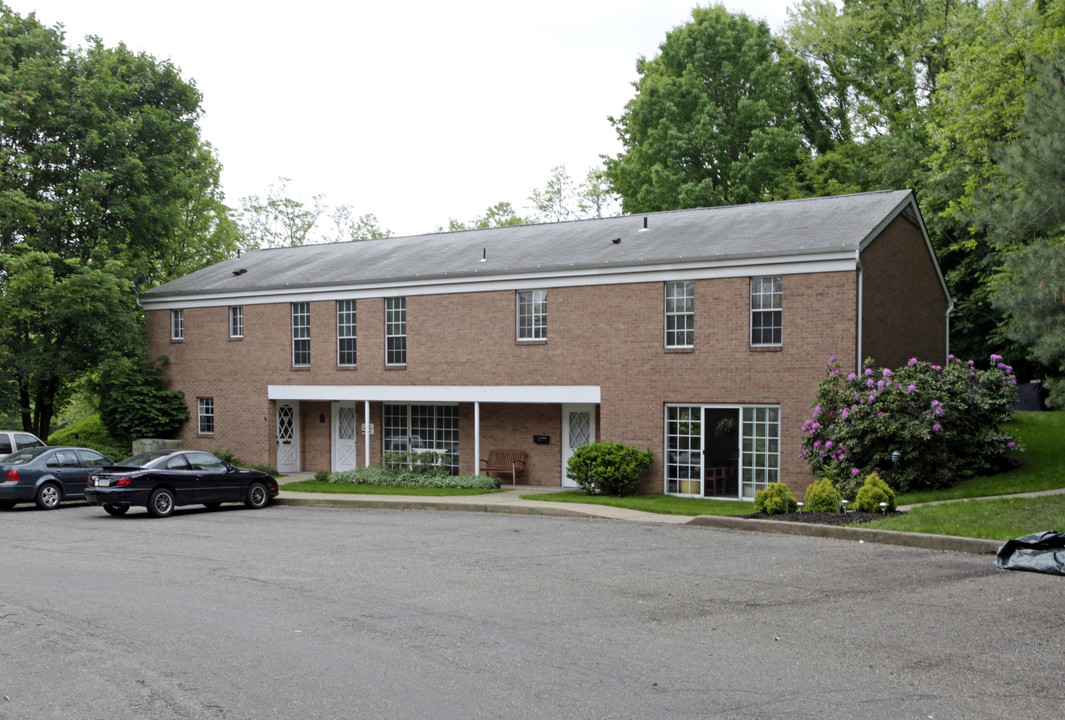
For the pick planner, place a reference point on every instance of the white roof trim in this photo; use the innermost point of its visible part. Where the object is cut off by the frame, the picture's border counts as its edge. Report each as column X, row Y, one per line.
column 530, row 394
column 841, row 260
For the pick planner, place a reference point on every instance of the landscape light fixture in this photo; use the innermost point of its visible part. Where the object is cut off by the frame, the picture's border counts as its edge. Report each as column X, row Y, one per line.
column 844, row 503
column 895, row 457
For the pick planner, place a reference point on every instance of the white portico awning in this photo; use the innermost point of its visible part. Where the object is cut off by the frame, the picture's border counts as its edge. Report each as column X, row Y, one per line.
column 538, row 394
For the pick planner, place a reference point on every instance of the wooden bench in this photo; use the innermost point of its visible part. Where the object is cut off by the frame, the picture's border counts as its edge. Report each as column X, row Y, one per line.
column 505, row 461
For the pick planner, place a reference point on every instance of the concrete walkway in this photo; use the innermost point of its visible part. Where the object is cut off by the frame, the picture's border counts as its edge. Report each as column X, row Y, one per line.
column 510, row 501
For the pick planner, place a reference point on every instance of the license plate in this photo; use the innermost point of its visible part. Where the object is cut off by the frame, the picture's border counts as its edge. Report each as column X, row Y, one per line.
column 102, row 482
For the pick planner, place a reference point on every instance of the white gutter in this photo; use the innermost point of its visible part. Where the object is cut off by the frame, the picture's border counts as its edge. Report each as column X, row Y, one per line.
column 950, row 309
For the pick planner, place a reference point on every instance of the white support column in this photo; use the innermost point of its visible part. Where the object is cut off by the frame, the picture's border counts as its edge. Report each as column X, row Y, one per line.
column 366, row 432
column 477, row 438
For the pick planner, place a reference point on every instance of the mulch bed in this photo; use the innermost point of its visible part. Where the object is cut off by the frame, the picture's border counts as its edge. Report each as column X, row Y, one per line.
column 852, row 516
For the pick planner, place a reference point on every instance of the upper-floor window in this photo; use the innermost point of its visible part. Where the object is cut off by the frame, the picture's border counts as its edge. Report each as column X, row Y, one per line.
column 532, row 314
column 680, row 314
column 301, row 334
column 177, row 324
column 205, row 415
column 236, row 321
column 396, row 331
column 346, row 332
column 767, row 297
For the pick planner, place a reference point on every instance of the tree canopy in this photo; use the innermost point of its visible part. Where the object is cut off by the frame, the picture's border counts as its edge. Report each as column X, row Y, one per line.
column 103, row 177
column 722, row 115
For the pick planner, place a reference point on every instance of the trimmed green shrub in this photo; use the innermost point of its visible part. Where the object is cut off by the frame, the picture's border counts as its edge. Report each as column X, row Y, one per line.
column 321, row 475
column 608, row 468
column 872, row 493
column 90, row 432
column 823, row 496
column 402, row 477
column 775, row 499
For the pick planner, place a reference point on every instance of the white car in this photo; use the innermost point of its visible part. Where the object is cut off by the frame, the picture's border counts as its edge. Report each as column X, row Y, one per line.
column 12, row 440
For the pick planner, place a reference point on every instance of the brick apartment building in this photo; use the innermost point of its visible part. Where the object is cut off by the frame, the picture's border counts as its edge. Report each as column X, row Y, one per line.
column 700, row 334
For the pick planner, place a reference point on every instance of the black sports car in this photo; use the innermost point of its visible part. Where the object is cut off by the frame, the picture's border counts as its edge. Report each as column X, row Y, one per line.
column 162, row 480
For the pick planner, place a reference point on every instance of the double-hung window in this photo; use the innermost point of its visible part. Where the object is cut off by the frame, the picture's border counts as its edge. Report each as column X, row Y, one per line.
column 236, row 321
column 767, row 297
column 301, row 334
column 680, row 314
column 532, row 315
column 205, row 414
column 346, row 335
column 177, row 324
column 396, row 331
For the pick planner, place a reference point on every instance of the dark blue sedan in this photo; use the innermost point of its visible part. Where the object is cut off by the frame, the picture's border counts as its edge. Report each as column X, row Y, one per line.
column 163, row 480
column 47, row 475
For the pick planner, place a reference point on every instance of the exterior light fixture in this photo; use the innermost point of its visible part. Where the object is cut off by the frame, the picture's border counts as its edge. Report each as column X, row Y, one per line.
column 844, row 503
column 895, row 457
column 800, row 503
column 883, row 507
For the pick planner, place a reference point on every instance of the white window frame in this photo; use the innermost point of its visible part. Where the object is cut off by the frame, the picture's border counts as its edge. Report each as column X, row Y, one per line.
column 301, row 334
column 759, row 445
column 205, row 415
column 177, row 324
column 767, row 311
column 347, row 330
column 680, row 314
column 531, row 315
column 236, row 321
column 422, row 428
column 396, row 331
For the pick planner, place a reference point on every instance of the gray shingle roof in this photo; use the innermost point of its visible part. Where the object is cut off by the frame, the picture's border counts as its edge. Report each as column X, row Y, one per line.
column 769, row 229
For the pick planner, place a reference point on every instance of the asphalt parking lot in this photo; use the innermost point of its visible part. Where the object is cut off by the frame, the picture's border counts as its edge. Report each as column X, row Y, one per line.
column 295, row 612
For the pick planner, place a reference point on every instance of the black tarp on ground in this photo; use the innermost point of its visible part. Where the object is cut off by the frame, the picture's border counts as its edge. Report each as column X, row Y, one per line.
column 1040, row 552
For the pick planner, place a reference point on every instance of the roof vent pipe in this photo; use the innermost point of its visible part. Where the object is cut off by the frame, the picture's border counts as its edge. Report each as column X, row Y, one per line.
column 484, row 254
column 644, row 228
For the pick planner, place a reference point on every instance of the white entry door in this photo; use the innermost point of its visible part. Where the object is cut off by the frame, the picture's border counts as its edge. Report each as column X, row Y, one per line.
column 578, row 428
column 288, row 437
column 344, row 436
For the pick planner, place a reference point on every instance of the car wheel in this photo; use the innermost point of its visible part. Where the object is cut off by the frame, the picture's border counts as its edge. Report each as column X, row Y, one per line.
column 258, row 496
column 161, row 503
column 116, row 510
column 6, row 505
column 48, row 496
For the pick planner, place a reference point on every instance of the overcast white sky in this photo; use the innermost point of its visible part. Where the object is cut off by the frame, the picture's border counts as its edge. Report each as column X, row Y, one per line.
column 416, row 111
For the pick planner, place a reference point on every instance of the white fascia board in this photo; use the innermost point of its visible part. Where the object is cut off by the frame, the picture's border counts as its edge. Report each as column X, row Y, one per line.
column 526, row 394
column 841, row 260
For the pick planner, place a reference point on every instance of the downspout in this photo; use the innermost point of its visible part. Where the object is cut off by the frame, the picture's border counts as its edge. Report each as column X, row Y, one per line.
column 858, row 266
column 950, row 309
column 366, row 431
column 477, row 438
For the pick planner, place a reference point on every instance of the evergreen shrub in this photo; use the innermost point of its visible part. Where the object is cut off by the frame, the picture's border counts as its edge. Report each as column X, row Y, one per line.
column 823, row 496
column 775, row 499
column 872, row 493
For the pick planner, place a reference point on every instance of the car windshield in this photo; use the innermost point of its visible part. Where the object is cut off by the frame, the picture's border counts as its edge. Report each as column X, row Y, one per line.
column 21, row 457
column 143, row 459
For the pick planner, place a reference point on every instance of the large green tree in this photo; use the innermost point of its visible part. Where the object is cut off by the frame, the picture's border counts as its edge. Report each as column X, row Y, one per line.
column 722, row 115
column 103, row 176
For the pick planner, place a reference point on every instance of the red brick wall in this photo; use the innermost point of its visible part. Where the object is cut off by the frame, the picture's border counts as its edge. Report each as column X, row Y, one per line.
column 608, row 336
column 905, row 306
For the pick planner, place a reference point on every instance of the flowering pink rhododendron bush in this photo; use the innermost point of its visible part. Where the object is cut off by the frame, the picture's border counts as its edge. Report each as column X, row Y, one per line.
column 942, row 424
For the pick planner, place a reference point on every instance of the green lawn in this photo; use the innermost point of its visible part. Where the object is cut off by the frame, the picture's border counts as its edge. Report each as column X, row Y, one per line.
column 1042, row 436
column 990, row 519
column 666, row 504
column 320, row 486
column 1044, row 469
